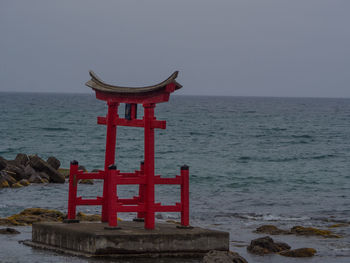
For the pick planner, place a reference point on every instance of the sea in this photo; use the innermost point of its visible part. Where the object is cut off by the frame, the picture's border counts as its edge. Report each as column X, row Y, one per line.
column 253, row 161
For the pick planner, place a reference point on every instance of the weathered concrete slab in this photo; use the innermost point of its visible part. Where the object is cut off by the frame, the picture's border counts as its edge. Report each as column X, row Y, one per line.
column 132, row 240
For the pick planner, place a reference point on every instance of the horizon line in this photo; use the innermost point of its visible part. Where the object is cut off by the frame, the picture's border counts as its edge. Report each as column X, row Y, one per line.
column 190, row 95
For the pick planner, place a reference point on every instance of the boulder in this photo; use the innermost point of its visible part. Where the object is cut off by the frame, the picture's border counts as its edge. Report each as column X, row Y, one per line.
column 215, row 256
column 8, row 178
column 86, row 181
column 311, row 231
column 40, row 165
column 266, row 245
column 16, row 185
column 24, row 182
column 82, row 168
column 15, row 171
column 64, row 172
column 299, row 252
column 45, row 176
column 36, row 179
column 21, row 159
column 3, row 181
column 54, row 162
column 3, row 163
column 9, row 231
column 29, row 171
column 271, row 230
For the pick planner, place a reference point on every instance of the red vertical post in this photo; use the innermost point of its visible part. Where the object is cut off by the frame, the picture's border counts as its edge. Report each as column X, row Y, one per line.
column 112, row 211
column 72, row 197
column 112, row 115
column 141, row 191
column 185, row 196
column 149, row 164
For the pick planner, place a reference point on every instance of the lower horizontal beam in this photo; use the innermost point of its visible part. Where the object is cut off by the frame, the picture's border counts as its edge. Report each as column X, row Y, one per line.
column 97, row 201
column 130, row 208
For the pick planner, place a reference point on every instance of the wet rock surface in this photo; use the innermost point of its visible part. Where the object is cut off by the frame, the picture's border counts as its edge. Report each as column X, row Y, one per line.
column 266, row 245
column 311, row 231
column 32, row 215
column 9, row 231
column 296, row 230
column 299, row 253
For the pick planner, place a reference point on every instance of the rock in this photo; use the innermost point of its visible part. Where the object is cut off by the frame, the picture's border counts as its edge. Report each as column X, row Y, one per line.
column 3, row 181
column 40, row 165
column 266, row 245
column 15, row 171
column 82, row 168
column 9, row 231
column 311, row 231
column 3, row 163
column 36, row 179
column 95, row 170
column 159, row 216
column 215, row 256
column 24, row 182
column 299, row 253
column 17, row 185
column 54, row 162
column 21, row 159
column 339, row 225
column 8, row 178
column 29, row 171
column 32, row 215
column 271, row 230
column 45, row 181
column 86, row 181
column 84, row 217
column 64, row 172
column 44, row 176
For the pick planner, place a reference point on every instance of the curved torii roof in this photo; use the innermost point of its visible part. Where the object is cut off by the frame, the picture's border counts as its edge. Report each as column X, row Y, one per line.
column 97, row 84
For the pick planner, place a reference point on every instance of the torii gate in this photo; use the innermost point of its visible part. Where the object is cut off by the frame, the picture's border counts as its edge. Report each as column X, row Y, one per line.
column 144, row 203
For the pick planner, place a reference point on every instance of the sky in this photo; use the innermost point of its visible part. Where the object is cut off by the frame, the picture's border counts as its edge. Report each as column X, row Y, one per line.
column 280, row 48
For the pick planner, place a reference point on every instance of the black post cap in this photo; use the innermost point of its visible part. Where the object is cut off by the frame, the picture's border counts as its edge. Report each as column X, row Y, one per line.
column 143, row 162
column 74, row 162
column 185, row 167
column 112, row 167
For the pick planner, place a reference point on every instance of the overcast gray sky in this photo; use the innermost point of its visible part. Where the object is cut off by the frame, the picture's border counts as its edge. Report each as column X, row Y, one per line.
column 238, row 48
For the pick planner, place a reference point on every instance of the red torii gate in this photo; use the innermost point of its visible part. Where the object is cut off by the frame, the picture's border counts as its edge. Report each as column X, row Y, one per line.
column 144, row 203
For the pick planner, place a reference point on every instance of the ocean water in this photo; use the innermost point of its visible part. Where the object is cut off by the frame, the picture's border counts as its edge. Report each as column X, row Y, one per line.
column 253, row 161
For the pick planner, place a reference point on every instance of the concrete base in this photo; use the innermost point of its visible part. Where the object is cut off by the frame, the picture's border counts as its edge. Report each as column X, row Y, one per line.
column 131, row 240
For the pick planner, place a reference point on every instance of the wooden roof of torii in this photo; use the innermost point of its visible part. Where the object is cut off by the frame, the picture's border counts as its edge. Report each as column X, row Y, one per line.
column 98, row 85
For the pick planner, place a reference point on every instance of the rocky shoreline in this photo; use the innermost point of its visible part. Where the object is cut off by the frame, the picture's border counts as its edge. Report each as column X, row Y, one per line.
column 260, row 246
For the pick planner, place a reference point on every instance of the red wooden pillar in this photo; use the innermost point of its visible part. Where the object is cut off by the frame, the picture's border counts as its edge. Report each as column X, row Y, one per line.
column 141, row 191
column 112, row 213
column 185, row 196
column 72, row 197
column 149, row 164
column 110, row 155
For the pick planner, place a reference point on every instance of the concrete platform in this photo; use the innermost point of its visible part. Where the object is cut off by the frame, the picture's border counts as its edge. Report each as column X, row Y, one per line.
column 132, row 240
